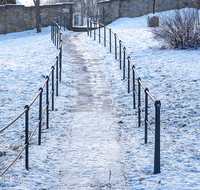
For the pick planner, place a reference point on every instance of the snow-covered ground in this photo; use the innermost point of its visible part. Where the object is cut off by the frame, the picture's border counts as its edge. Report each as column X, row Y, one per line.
column 172, row 76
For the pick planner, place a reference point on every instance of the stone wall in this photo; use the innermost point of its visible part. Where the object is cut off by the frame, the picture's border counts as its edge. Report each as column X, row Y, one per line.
column 16, row 18
column 115, row 9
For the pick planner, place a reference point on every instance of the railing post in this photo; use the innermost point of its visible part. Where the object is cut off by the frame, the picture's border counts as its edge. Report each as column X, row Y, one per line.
column 133, row 68
column 52, row 87
column 110, row 38
column 57, row 35
column 51, row 30
column 60, row 61
column 88, row 27
column 115, row 46
column 124, row 65
column 120, row 54
column 146, row 114
column 128, row 74
column 139, row 117
column 56, row 75
column 104, row 36
column 94, row 31
column 40, row 117
column 47, row 102
column 26, row 138
column 157, row 138
column 99, row 32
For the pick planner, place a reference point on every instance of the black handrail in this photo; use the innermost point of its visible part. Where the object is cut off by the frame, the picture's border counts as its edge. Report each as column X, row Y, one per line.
column 56, row 37
column 136, row 94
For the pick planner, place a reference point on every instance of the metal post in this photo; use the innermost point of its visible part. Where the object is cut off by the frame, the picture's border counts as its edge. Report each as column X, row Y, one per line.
column 146, row 114
column 128, row 74
column 139, row 113
column 110, row 38
column 90, row 28
column 60, row 63
column 115, row 46
column 104, row 36
column 56, row 75
column 99, row 32
column 51, row 30
column 26, row 137
column 57, row 35
column 52, row 87
column 94, row 31
column 40, row 117
column 133, row 68
column 120, row 54
column 124, row 66
column 47, row 102
column 157, row 138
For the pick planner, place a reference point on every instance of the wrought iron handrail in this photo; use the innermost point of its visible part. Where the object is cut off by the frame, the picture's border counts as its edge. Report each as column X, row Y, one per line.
column 56, row 37
column 127, row 66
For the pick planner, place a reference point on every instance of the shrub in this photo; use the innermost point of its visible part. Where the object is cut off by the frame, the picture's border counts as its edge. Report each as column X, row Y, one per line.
column 179, row 29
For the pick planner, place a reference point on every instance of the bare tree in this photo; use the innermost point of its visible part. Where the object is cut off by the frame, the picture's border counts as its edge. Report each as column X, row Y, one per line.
column 38, row 18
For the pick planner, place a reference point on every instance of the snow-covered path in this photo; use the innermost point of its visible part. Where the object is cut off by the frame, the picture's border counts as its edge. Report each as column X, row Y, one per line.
column 93, row 153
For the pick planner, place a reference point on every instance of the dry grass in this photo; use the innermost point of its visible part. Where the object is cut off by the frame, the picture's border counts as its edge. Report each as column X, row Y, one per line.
column 180, row 29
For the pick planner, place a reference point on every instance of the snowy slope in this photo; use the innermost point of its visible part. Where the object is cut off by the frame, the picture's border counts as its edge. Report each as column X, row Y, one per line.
column 172, row 76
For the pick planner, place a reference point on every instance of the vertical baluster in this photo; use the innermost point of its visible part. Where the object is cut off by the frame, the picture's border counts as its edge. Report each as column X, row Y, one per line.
column 139, row 97
column 120, row 54
column 47, row 102
column 110, row 38
column 128, row 74
column 146, row 114
column 157, row 138
column 26, row 138
column 133, row 68
column 115, row 46
column 124, row 66
column 40, row 117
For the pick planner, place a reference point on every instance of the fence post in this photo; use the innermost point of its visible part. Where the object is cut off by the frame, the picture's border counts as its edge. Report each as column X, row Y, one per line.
column 157, row 138
column 139, row 117
column 26, row 137
column 57, row 35
column 51, row 30
column 94, row 31
column 120, row 54
column 52, row 87
column 124, row 66
column 133, row 68
column 128, row 74
column 99, row 32
column 104, row 36
column 47, row 102
column 146, row 114
column 40, row 117
column 60, row 61
column 110, row 38
column 88, row 27
column 56, row 75
column 115, row 46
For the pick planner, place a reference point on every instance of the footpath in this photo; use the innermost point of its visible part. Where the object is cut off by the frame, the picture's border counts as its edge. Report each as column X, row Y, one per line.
column 92, row 159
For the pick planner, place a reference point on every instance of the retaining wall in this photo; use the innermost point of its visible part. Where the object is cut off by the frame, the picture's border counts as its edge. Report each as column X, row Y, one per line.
column 115, row 9
column 16, row 18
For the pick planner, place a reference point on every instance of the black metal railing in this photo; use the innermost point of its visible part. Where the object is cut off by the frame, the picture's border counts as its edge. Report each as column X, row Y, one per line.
column 56, row 37
column 100, row 31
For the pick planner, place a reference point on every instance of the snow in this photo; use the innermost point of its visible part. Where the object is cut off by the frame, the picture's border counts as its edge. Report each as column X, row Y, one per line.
column 172, row 76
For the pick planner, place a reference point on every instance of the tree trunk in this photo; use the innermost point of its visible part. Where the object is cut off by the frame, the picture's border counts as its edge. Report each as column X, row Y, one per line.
column 38, row 18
